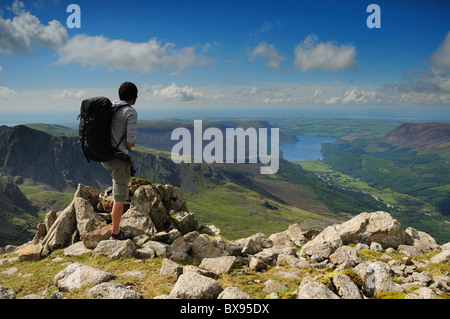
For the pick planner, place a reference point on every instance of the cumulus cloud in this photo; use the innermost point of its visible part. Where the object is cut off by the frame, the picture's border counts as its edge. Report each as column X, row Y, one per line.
column 98, row 51
column 354, row 95
column 324, row 55
column 440, row 59
column 70, row 94
column 267, row 51
column 25, row 30
column 173, row 92
column 425, row 86
column 6, row 93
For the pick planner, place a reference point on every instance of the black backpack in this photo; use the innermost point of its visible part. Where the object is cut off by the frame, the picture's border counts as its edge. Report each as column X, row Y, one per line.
column 95, row 129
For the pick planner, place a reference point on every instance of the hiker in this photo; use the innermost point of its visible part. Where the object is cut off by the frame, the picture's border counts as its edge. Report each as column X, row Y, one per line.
column 123, row 134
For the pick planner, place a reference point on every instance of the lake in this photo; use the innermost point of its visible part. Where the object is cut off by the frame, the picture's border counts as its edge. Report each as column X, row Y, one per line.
column 306, row 148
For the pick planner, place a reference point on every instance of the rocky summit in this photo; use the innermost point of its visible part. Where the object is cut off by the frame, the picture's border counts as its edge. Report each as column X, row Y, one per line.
column 173, row 256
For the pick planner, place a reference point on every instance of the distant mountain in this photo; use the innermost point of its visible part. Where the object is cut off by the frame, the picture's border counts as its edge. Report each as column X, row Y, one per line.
column 46, row 159
column 157, row 135
column 52, row 166
column 18, row 217
column 430, row 137
column 408, row 168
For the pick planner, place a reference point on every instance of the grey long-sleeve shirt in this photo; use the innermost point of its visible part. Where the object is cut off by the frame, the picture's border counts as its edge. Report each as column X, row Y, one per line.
column 123, row 122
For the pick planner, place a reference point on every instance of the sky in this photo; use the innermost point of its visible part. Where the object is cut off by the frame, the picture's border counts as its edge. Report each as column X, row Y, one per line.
column 339, row 58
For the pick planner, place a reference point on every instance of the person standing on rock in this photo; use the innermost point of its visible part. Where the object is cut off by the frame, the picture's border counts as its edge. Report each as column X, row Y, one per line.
column 123, row 133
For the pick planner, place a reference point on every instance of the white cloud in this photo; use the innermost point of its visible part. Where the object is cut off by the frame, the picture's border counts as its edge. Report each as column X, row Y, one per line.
column 425, row 87
column 354, row 95
column 1, row 68
column 440, row 59
column 6, row 93
column 25, row 30
column 98, row 51
column 324, row 55
column 70, row 94
column 267, row 51
column 173, row 92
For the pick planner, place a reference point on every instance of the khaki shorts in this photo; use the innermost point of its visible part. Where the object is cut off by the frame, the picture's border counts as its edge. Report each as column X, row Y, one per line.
column 120, row 173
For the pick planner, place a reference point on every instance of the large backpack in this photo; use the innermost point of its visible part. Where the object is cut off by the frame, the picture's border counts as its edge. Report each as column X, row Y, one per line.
column 95, row 129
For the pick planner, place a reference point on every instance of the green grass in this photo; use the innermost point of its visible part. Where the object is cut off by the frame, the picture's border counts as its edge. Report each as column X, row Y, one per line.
column 404, row 205
column 46, row 199
column 239, row 212
column 37, row 277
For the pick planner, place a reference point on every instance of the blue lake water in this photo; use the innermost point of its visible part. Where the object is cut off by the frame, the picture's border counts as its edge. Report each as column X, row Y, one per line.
column 306, row 148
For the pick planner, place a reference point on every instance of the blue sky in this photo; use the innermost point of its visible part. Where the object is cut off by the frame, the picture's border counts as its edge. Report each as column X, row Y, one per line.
column 224, row 57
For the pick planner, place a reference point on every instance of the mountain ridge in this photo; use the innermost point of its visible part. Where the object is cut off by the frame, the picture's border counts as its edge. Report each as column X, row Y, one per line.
column 55, row 163
column 427, row 136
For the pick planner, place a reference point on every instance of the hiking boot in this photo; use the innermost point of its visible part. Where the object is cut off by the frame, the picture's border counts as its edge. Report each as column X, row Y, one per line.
column 122, row 235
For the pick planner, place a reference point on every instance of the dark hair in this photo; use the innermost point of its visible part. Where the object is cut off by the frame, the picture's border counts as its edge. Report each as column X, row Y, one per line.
column 128, row 91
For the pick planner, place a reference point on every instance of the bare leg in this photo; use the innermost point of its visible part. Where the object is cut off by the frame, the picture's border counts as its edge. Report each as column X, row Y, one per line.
column 116, row 216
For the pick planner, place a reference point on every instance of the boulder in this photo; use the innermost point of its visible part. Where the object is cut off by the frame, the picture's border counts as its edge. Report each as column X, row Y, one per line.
column 92, row 238
column 161, row 249
column 409, row 250
column 323, row 245
column 147, row 203
column 7, row 293
column 421, row 240
column 76, row 249
column 185, row 222
column 30, row 252
column 219, row 265
column 171, row 268
column 377, row 227
column 172, row 198
column 77, row 275
column 87, row 219
column 310, row 289
column 61, row 232
column 115, row 249
column 205, row 246
column 273, row 286
column 108, row 290
column 195, row 286
column 253, row 244
column 346, row 256
column 376, row 278
column 233, row 293
column 442, row 257
column 138, row 222
column 346, row 288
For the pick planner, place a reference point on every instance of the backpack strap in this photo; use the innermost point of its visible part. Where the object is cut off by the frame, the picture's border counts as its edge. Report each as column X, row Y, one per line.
column 124, row 135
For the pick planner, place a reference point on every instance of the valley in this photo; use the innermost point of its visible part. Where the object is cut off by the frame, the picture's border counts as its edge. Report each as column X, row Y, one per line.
column 236, row 197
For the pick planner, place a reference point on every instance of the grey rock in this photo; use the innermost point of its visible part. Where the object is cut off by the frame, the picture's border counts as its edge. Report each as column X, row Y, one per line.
column 377, row 227
column 219, row 265
column 76, row 249
column 309, row 289
column 346, row 288
column 323, row 245
column 233, row 293
column 108, row 290
column 115, row 249
column 7, row 293
column 87, row 219
column 442, row 257
column 77, row 275
column 195, row 286
column 273, row 286
column 409, row 250
column 171, row 268
column 376, row 278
